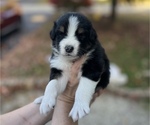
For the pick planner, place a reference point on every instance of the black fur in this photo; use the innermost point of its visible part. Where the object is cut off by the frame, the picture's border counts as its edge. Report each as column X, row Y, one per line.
column 97, row 66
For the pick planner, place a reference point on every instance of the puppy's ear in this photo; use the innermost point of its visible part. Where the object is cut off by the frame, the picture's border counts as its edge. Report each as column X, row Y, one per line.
column 93, row 35
column 53, row 32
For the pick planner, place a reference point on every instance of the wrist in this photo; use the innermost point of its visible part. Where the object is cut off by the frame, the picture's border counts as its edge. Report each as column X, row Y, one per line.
column 70, row 91
column 61, row 111
column 67, row 97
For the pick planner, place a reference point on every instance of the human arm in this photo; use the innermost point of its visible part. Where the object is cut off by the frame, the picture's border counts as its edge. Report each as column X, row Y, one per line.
column 27, row 115
column 30, row 115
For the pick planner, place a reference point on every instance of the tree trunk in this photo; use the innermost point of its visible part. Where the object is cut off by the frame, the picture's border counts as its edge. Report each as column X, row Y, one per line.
column 113, row 9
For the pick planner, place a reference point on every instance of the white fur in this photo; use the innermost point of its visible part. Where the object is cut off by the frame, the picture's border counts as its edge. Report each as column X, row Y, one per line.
column 49, row 98
column 55, row 86
column 70, row 38
column 60, row 62
column 62, row 81
column 83, row 97
column 73, row 24
column 53, row 89
column 71, row 41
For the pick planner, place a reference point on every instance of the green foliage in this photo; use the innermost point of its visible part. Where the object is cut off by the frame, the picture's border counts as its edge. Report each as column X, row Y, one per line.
column 127, row 44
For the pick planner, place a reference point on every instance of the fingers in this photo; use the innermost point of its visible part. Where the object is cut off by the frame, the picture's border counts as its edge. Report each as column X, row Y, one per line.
column 77, row 65
column 75, row 69
column 74, row 78
column 98, row 92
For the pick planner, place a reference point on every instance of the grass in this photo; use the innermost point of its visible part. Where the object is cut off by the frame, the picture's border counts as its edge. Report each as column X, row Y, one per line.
column 130, row 59
column 127, row 44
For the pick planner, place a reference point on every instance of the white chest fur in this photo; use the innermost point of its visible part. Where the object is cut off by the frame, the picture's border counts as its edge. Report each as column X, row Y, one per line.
column 62, row 82
column 63, row 64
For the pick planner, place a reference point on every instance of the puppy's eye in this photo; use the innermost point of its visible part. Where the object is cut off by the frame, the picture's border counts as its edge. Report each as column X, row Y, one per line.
column 60, row 35
column 81, row 36
column 80, row 31
column 62, row 29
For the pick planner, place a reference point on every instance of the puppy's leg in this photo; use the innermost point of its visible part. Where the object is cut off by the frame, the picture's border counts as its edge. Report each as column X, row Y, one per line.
column 83, row 97
column 49, row 98
column 38, row 100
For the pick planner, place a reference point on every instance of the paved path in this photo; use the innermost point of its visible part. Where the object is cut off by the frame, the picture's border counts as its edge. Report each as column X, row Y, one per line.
column 106, row 110
column 112, row 110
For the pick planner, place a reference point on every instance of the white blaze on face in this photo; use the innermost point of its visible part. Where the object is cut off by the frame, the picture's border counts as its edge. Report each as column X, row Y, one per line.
column 70, row 39
column 73, row 25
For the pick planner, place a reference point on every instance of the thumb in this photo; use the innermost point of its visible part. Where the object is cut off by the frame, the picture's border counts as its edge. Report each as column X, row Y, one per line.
column 75, row 71
column 74, row 77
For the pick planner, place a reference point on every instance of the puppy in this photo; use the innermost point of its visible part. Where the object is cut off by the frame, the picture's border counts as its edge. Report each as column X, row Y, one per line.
column 72, row 37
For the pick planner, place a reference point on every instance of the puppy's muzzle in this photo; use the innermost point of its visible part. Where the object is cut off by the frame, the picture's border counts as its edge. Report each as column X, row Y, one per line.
column 69, row 49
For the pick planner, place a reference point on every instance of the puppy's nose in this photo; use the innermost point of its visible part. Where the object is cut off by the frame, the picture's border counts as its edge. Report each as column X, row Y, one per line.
column 69, row 48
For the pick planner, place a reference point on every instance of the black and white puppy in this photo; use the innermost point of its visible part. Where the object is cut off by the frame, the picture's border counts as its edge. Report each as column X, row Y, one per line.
column 72, row 37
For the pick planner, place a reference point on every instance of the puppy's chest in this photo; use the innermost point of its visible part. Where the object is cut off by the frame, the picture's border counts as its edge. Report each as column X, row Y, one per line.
column 63, row 65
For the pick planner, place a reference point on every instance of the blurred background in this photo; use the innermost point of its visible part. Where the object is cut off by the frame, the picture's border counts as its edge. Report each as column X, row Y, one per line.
column 123, row 29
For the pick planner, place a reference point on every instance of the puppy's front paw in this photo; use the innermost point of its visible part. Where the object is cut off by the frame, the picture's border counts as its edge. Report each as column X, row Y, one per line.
column 47, row 105
column 38, row 100
column 79, row 110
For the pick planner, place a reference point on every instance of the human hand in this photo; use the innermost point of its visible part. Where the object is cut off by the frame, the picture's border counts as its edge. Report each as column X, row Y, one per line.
column 68, row 96
column 75, row 74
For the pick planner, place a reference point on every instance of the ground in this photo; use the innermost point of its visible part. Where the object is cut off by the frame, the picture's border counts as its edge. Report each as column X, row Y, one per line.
column 107, row 109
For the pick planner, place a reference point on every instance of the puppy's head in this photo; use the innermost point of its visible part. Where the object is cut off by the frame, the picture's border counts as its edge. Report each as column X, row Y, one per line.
column 73, row 36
